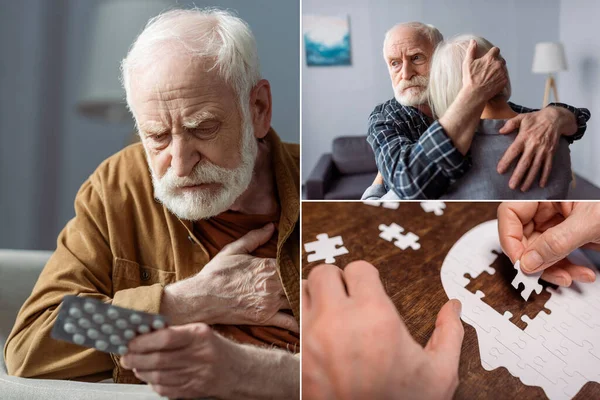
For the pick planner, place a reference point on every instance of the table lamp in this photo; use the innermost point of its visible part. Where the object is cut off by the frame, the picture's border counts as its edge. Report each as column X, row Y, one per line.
column 549, row 58
column 115, row 25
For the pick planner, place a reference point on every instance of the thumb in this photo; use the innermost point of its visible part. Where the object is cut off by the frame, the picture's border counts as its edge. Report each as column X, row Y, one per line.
column 555, row 244
column 250, row 241
column 446, row 341
column 511, row 124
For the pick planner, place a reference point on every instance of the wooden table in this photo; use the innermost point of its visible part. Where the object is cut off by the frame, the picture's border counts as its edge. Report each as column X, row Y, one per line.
column 412, row 278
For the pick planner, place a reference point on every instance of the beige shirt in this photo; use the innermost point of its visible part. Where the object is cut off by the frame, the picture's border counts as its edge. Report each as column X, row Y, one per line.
column 123, row 247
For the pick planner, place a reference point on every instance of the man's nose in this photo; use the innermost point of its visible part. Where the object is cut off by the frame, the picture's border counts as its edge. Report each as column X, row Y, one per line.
column 407, row 71
column 183, row 157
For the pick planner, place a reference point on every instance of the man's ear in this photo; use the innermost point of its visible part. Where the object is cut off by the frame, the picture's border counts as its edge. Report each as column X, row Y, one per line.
column 261, row 108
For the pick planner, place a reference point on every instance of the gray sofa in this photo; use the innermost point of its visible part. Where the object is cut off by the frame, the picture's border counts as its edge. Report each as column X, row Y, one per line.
column 346, row 172
column 19, row 271
column 343, row 174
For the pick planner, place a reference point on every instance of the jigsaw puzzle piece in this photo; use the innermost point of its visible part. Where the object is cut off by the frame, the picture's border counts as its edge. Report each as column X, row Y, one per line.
column 411, row 240
column 325, row 248
column 437, row 207
column 530, row 282
column 390, row 232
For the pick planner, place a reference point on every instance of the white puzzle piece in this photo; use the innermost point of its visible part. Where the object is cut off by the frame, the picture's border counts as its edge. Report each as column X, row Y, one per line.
column 394, row 232
column 559, row 352
column 325, row 248
column 392, row 205
column 436, row 207
column 529, row 281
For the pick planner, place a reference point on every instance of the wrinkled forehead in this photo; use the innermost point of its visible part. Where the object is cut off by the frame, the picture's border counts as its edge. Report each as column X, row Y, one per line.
column 182, row 78
column 406, row 40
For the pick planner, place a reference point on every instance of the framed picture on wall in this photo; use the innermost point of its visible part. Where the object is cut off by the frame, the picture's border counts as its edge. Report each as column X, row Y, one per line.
column 326, row 40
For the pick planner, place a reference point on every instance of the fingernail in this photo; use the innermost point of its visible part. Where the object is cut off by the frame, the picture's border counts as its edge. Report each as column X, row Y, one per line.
column 511, row 184
column 457, row 307
column 531, row 261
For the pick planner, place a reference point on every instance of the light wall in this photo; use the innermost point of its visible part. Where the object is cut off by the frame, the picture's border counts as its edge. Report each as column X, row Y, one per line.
column 580, row 84
column 337, row 101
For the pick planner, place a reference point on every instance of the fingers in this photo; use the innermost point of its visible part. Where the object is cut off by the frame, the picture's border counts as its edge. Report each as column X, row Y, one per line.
column 362, row 280
column 511, row 125
column 493, row 52
column 555, row 244
column 546, row 171
column 521, row 168
column 533, row 171
column 159, row 360
column 171, row 338
column 284, row 321
column 563, row 273
column 305, row 297
column 513, row 151
column 326, row 286
column 166, row 378
column 250, row 241
column 512, row 218
column 446, row 341
column 471, row 51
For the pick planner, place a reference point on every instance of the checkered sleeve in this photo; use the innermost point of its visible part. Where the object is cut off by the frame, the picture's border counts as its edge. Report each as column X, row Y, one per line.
column 582, row 116
column 413, row 168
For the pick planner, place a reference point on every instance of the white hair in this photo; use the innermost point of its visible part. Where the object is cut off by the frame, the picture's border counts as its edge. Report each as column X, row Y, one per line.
column 427, row 30
column 445, row 76
column 216, row 36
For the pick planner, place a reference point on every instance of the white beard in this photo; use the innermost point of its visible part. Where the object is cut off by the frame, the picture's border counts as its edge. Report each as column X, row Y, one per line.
column 197, row 204
column 412, row 97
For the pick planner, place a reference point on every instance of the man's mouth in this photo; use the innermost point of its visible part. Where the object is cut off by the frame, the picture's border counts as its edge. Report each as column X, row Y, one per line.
column 198, row 186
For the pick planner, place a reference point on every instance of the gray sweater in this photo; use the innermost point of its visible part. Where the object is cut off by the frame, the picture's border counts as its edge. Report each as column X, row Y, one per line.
column 482, row 182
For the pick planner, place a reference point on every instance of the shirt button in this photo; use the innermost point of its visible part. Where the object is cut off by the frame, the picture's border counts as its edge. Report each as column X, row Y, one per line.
column 145, row 275
column 191, row 239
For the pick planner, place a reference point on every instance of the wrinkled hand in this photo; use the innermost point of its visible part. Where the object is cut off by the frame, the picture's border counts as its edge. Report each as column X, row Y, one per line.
column 541, row 235
column 355, row 346
column 237, row 288
column 187, row 361
column 536, row 144
column 485, row 76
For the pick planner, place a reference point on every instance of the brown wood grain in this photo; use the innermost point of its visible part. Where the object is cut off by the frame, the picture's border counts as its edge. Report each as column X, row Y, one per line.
column 412, row 278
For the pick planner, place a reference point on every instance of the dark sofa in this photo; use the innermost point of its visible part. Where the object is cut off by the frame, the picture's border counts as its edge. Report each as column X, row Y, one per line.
column 345, row 173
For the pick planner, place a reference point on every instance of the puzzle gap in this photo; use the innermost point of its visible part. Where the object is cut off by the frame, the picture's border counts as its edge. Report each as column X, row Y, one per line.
column 503, row 297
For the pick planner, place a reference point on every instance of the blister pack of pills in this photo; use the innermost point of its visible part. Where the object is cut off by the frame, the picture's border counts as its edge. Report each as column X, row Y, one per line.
column 91, row 323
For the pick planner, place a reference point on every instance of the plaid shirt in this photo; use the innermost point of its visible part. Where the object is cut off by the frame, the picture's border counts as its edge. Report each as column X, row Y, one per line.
column 416, row 157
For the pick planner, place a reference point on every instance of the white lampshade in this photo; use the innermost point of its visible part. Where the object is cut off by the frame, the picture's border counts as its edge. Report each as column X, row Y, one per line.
column 549, row 57
column 114, row 27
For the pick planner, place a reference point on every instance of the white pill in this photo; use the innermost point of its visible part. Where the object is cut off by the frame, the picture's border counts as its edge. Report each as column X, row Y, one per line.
column 158, row 324
column 84, row 323
column 122, row 350
column 101, row 345
column 143, row 329
column 69, row 328
column 93, row 334
column 112, row 313
column 106, row 328
column 135, row 318
column 98, row 318
column 115, row 339
column 78, row 338
column 89, row 307
column 129, row 334
column 75, row 312
column 121, row 324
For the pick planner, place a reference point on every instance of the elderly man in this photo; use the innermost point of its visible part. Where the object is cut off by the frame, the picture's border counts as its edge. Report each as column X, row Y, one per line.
column 217, row 253
column 418, row 158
